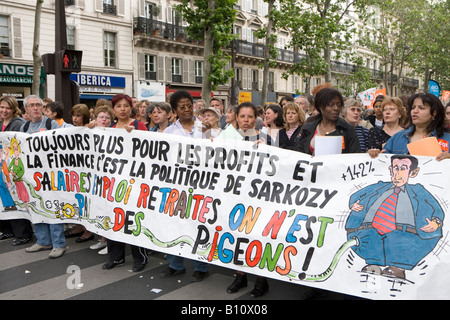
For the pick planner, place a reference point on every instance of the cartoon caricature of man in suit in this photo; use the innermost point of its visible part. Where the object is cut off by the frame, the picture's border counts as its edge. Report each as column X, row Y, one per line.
column 404, row 230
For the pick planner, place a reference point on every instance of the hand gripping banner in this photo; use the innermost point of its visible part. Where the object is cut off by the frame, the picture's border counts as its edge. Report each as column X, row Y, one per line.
column 374, row 228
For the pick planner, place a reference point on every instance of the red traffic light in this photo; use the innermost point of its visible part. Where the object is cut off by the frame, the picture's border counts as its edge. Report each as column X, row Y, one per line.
column 71, row 60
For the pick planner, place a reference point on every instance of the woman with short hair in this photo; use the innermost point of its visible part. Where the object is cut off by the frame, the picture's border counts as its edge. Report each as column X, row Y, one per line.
column 329, row 103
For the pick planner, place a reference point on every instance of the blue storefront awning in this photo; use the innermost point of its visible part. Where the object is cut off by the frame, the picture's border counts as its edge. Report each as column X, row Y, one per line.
column 96, row 96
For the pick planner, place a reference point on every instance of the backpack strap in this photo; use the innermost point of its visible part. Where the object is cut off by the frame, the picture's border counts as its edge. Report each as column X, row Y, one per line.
column 48, row 125
column 26, row 126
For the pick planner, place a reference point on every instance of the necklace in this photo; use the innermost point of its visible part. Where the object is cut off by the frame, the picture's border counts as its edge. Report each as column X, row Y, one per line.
column 323, row 127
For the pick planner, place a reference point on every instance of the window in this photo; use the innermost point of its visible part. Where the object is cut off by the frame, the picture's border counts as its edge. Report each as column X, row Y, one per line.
column 198, row 71
column 109, row 48
column 238, row 30
column 4, row 36
column 295, row 85
column 254, row 6
column 109, row 7
column 238, row 77
column 255, row 78
column 150, row 67
column 176, row 70
column 151, row 10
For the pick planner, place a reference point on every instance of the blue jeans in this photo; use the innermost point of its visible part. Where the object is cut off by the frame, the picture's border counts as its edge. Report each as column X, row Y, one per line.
column 50, row 234
column 177, row 263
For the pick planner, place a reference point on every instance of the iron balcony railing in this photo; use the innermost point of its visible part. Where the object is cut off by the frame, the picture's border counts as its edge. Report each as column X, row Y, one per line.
column 150, row 26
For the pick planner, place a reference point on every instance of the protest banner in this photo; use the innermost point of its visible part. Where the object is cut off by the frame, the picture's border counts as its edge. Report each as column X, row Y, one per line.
column 259, row 209
column 368, row 96
column 445, row 95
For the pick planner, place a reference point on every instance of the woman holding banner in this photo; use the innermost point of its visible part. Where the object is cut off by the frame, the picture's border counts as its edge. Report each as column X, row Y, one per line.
column 187, row 125
column 122, row 106
column 246, row 114
column 329, row 103
column 20, row 228
column 428, row 116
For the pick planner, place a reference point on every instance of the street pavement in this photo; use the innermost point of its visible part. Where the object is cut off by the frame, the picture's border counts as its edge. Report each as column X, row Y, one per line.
column 78, row 275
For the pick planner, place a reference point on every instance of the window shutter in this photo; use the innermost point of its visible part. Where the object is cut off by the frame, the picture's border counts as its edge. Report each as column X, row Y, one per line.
column 260, row 81
column 191, row 71
column 244, row 78
column 17, row 35
column 81, row 4
column 121, row 8
column 275, row 81
column 160, row 62
column 99, row 5
column 141, row 8
column 141, row 66
column 168, row 69
column 185, row 73
column 169, row 15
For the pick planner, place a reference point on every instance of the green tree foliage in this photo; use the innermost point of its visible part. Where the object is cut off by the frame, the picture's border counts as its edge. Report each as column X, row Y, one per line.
column 211, row 21
column 411, row 35
column 320, row 28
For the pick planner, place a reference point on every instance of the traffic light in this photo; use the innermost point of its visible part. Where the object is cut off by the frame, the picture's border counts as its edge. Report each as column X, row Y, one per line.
column 70, row 60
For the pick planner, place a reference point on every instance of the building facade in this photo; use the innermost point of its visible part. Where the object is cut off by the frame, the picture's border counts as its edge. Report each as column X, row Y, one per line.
column 101, row 29
column 141, row 48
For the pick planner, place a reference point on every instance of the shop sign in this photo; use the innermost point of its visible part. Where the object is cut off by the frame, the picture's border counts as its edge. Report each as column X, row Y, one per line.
column 15, row 73
column 85, row 80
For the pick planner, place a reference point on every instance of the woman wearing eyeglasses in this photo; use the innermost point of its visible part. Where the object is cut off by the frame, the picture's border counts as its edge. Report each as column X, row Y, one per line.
column 187, row 124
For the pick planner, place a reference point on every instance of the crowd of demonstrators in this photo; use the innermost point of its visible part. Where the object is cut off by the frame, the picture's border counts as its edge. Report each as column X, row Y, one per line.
column 292, row 123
